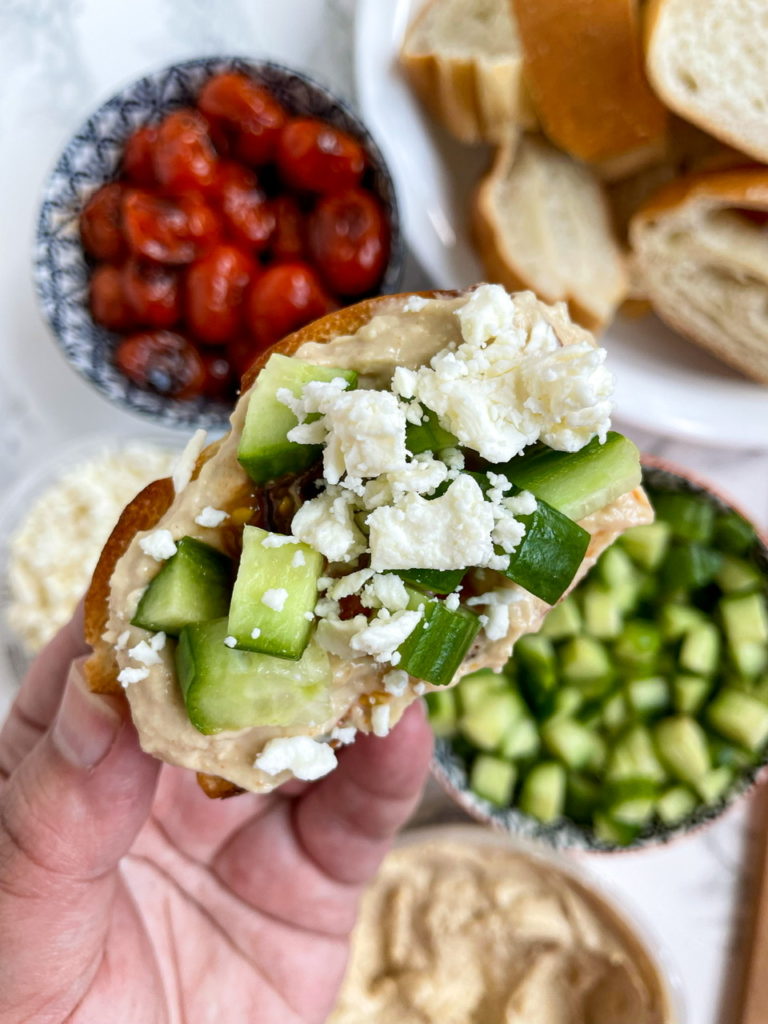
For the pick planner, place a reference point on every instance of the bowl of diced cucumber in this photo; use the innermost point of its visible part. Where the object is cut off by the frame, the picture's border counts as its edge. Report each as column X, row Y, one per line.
column 640, row 709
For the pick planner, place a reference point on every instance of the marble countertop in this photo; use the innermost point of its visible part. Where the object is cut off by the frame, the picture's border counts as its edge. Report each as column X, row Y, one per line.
column 61, row 58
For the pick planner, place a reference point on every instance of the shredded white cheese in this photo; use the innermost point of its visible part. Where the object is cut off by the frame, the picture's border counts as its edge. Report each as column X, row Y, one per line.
column 303, row 756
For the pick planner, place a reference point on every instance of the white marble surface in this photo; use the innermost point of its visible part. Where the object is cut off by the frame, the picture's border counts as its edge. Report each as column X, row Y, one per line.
column 63, row 57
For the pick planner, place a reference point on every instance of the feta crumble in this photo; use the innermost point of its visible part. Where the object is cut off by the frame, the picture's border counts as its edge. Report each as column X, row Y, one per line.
column 366, row 435
column 211, row 517
column 127, row 676
column 344, row 734
column 275, row 598
column 255, row 633
column 396, row 682
column 380, row 715
column 306, row 758
column 148, row 653
column 230, row 641
column 159, row 545
column 327, row 524
column 383, row 635
column 298, row 559
column 385, row 591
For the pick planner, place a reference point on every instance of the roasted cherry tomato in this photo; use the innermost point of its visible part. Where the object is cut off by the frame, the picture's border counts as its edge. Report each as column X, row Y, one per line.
column 153, row 293
column 246, row 211
column 317, row 157
column 219, row 376
column 288, row 240
column 241, row 352
column 349, row 241
column 101, row 223
column 138, row 156
column 215, row 288
column 284, row 298
column 162, row 361
column 168, row 230
column 249, row 114
column 183, row 153
column 109, row 303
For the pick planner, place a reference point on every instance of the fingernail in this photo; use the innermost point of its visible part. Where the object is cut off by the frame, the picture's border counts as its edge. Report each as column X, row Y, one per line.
column 87, row 723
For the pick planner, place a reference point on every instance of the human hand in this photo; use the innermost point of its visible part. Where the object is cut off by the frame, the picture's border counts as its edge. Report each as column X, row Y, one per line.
column 128, row 897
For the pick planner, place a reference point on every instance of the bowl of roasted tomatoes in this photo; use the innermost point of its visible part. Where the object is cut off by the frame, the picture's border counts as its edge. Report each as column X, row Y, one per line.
column 199, row 216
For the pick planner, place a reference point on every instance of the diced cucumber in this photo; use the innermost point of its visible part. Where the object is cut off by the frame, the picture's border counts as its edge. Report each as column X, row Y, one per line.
column 676, row 620
column 648, row 696
column 522, row 740
column 543, row 791
column 264, row 451
column 750, row 657
column 441, row 708
column 737, row 575
column 615, row 833
column 615, row 712
column 428, row 435
column 637, row 648
column 688, row 566
column 647, row 545
column 493, row 779
column 715, row 784
column 551, row 551
column 563, row 621
column 690, row 516
column 487, row 724
column 634, row 756
column 615, row 568
column 535, row 656
column 192, row 586
column 578, row 483
column 676, row 804
column 571, row 742
column 566, row 702
column 584, row 662
column 582, row 796
column 437, row 646
column 274, row 594
column 439, row 581
column 689, row 693
column 739, row 717
column 745, row 617
column 733, row 534
column 473, row 688
column 700, row 650
column 683, row 748
column 729, row 755
column 631, row 801
column 602, row 615
column 224, row 688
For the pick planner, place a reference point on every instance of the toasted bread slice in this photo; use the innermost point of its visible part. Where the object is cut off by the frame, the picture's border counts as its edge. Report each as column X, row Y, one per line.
column 584, row 69
column 462, row 58
column 706, row 60
column 541, row 221
column 701, row 250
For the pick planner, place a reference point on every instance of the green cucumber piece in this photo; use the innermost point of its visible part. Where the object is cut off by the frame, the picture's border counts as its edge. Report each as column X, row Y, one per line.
column 737, row 575
column 602, row 615
column 715, row 784
column 428, row 436
column 615, row 568
column 566, row 702
column 676, row 804
column 648, row 696
column 264, row 451
column 647, row 545
column 700, row 650
column 543, row 791
column 745, row 618
column 631, row 801
column 689, row 516
column 689, row 693
column 439, row 581
column 437, row 646
column 675, row 620
column 729, row 754
column 638, row 647
column 493, row 779
column 612, row 832
column 585, row 663
column 582, row 796
column 442, row 713
column 535, row 657
column 257, row 620
column 574, row 744
column 549, row 555
column 578, row 483
column 634, row 756
column 733, row 534
column 615, row 712
column 473, row 688
column 522, row 741
column 682, row 746
column 492, row 718
column 739, row 717
column 688, row 566
column 224, row 688
column 563, row 621
column 192, row 586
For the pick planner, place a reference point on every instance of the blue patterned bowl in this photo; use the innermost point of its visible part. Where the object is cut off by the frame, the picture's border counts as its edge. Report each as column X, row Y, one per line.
column 93, row 157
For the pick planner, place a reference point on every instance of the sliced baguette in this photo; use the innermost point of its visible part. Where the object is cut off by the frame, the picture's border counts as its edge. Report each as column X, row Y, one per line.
column 541, row 221
column 700, row 248
column 707, row 61
column 583, row 67
column 463, row 60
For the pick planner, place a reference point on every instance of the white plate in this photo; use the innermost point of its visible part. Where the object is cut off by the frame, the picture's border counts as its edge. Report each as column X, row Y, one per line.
column 663, row 383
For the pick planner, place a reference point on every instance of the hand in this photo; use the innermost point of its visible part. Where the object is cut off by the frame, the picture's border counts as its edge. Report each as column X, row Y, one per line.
column 128, row 897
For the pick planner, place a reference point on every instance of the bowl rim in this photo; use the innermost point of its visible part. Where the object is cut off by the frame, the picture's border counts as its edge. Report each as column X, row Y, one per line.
column 168, row 412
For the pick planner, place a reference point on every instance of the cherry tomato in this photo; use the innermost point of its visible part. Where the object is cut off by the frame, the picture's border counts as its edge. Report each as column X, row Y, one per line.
column 284, row 298
column 184, row 154
column 241, row 352
column 152, row 292
column 101, row 223
column 349, row 241
column 215, row 288
column 163, row 362
column 246, row 211
column 287, row 241
column 168, row 230
column 138, row 156
column 317, row 157
column 109, row 303
column 218, row 133
column 249, row 114
column 219, row 377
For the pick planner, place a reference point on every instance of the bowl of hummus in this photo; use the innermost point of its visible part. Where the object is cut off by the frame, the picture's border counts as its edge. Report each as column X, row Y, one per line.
column 464, row 926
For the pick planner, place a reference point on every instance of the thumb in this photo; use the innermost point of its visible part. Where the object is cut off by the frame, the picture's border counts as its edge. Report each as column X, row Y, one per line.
column 68, row 814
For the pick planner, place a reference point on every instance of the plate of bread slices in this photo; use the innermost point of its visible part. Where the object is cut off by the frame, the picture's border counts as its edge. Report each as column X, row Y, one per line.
column 612, row 155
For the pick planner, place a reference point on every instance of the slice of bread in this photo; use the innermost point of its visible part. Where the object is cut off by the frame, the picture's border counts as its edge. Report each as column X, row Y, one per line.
column 707, row 61
column 463, row 60
column 583, row 66
column 541, row 221
column 700, row 247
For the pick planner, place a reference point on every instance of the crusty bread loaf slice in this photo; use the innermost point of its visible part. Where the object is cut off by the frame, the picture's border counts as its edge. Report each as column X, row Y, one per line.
column 701, row 250
column 541, row 221
column 707, row 61
column 584, row 69
column 463, row 59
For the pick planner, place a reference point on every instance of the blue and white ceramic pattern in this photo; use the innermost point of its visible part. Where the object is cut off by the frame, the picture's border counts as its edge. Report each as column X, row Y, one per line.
column 93, row 158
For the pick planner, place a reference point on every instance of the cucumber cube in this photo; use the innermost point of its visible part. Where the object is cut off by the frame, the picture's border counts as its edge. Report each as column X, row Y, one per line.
column 739, row 717
column 634, row 756
column 435, row 650
column 615, row 569
column 733, row 534
column 543, row 791
column 551, row 551
column 602, row 614
column 613, row 832
column 690, row 516
column 441, row 709
column 274, row 595
column 522, row 740
column 566, row 702
column 563, row 621
column 745, row 618
column 489, row 722
column 472, row 689
column 676, row 804
column 689, row 693
column 715, row 784
column 676, row 620
column 631, row 801
column 615, row 712
column 647, row 545
column 683, row 748
column 648, row 696
column 688, row 567
column 570, row 742
column 428, row 435
column 439, row 581
column 582, row 796
column 584, row 662
column 534, row 655
column 493, row 779
column 737, row 575
column 700, row 650
column 637, row 648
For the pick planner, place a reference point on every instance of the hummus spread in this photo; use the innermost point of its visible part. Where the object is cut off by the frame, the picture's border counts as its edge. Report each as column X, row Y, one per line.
column 406, row 336
column 456, row 932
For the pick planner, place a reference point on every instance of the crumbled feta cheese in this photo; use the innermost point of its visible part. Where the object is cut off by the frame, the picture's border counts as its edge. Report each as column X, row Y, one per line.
column 404, row 382
column 452, row 602
column 344, row 734
column 275, row 598
column 453, row 458
column 414, row 303
column 185, row 465
column 507, row 531
column 334, row 636
column 385, row 591
column 396, row 682
column 298, row 559
column 396, row 658
column 383, row 635
column 255, row 633
column 449, row 532
column 148, row 653
column 122, row 641
column 230, row 641
column 350, row 584
column 422, row 475
column 327, row 608
column 497, row 626
column 366, row 435
column 211, row 517
column 522, row 504
column 159, row 545
column 309, row 616
column 380, row 720
column 305, row 757
column 327, row 524
column 277, row 540
column 420, row 689
column 127, row 676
